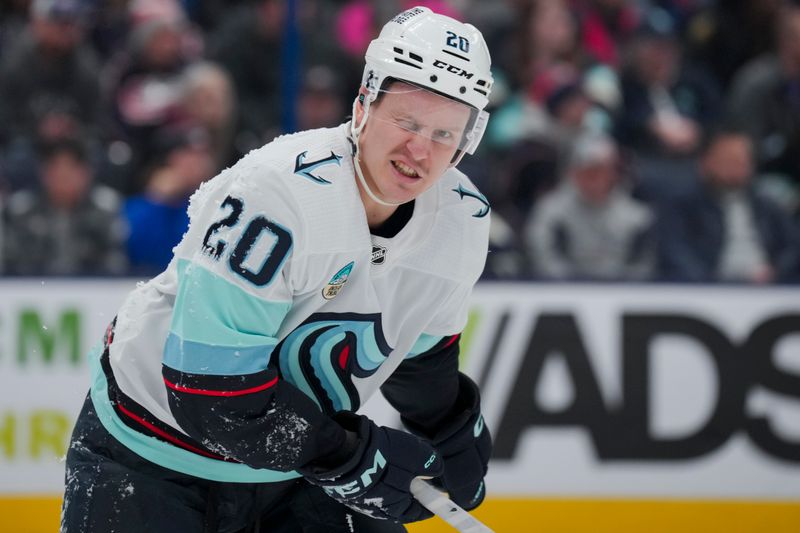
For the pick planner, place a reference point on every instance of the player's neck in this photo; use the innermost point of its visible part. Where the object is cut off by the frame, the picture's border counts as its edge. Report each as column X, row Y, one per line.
column 376, row 214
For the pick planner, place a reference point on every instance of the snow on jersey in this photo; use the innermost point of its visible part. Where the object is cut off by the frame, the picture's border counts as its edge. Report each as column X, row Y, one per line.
column 278, row 277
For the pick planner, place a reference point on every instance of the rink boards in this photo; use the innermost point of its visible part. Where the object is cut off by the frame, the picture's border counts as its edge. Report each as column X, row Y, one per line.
column 613, row 407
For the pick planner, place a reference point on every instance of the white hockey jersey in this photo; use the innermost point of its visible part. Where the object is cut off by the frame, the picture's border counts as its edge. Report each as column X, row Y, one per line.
column 278, row 270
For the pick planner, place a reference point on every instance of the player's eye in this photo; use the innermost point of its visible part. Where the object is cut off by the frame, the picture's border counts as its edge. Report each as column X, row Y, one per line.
column 407, row 124
column 443, row 136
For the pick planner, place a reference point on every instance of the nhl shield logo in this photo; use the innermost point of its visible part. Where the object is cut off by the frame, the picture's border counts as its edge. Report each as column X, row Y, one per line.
column 331, row 290
column 378, row 254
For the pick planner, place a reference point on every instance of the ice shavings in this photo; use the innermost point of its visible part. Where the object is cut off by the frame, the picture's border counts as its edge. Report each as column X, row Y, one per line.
column 287, row 440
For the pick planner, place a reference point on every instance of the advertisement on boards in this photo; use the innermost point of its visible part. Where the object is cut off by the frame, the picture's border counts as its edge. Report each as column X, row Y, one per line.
column 590, row 391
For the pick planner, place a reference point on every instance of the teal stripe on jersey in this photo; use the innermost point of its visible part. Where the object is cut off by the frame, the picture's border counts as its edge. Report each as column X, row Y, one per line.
column 213, row 311
column 167, row 455
column 325, row 371
column 198, row 358
column 290, row 366
column 424, row 343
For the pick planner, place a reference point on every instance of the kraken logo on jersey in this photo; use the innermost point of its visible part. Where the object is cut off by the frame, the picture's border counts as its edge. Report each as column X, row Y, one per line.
column 483, row 211
column 301, row 168
column 331, row 290
column 322, row 354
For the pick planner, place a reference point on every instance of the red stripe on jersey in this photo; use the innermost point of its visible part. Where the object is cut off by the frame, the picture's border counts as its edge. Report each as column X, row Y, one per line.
column 453, row 339
column 165, row 435
column 343, row 357
column 205, row 392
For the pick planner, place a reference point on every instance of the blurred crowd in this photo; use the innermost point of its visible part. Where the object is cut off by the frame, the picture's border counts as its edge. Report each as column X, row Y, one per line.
column 630, row 140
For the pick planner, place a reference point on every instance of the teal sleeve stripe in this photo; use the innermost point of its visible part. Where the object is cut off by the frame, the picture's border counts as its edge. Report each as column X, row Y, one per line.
column 198, row 358
column 211, row 310
column 423, row 344
column 167, row 455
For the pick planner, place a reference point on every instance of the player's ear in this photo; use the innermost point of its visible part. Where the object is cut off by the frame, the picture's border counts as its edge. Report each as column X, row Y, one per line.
column 359, row 107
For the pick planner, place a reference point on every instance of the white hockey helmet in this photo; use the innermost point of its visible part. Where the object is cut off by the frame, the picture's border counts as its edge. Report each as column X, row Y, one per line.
column 432, row 51
column 437, row 53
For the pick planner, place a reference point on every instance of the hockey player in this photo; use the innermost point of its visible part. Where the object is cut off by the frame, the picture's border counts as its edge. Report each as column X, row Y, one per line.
column 320, row 268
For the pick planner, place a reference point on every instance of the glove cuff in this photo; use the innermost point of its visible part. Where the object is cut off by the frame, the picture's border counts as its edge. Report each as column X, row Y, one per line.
column 356, row 429
column 466, row 412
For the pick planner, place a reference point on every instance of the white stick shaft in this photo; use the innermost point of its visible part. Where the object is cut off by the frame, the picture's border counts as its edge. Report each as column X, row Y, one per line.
column 439, row 504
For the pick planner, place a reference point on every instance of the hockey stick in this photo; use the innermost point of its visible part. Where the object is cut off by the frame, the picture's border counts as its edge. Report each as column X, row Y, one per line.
column 439, row 504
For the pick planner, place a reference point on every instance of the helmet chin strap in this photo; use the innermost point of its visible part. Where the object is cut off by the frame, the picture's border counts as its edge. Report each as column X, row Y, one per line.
column 355, row 132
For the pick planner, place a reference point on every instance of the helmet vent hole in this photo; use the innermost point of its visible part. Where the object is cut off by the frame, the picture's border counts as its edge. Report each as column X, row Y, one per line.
column 462, row 90
column 398, row 51
column 434, row 78
column 407, row 63
column 415, row 57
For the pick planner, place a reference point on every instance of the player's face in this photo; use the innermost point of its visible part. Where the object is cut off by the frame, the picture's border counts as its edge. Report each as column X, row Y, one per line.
column 409, row 141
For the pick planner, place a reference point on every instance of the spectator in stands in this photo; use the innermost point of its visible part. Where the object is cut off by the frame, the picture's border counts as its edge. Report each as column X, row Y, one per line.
column 542, row 33
column 158, row 217
column 605, row 28
column 539, row 56
column 589, row 228
column 48, row 85
column 146, row 88
column 71, row 227
column 248, row 45
column 532, row 131
column 13, row 21
column 553, row 115
column 720, row 229
column 666, row 103
column 764, row 101
column 110, row 29
column 208, row 100
column 726, row 34
column 319, row 104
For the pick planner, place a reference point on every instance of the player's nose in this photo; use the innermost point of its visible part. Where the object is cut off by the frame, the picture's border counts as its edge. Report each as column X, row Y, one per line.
column 419, row 146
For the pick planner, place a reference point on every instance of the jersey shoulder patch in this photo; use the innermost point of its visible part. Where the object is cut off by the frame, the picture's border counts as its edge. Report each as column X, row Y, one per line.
column 305, row 168
column 309, row 157
column 458, row 191
column 464, row 191
column 458, row 241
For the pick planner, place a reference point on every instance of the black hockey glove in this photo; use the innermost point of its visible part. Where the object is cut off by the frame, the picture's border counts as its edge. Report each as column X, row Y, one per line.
column 465, row 445
column 376, row 479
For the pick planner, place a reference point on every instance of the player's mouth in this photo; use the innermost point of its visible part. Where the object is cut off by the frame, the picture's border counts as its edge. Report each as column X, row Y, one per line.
column 404, row 169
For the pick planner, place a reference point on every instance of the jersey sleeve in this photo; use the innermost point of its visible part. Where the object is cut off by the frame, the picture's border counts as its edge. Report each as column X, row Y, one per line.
column 452, row 313
column 424, row 388
column 235, row 283
column 462, row 235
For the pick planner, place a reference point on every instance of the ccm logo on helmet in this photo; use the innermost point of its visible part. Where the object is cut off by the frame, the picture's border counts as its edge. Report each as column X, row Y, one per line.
column 452, row 68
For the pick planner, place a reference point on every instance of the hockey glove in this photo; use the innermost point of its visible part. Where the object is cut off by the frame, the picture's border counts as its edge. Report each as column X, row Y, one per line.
column 376, row 480
column 465, row 445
